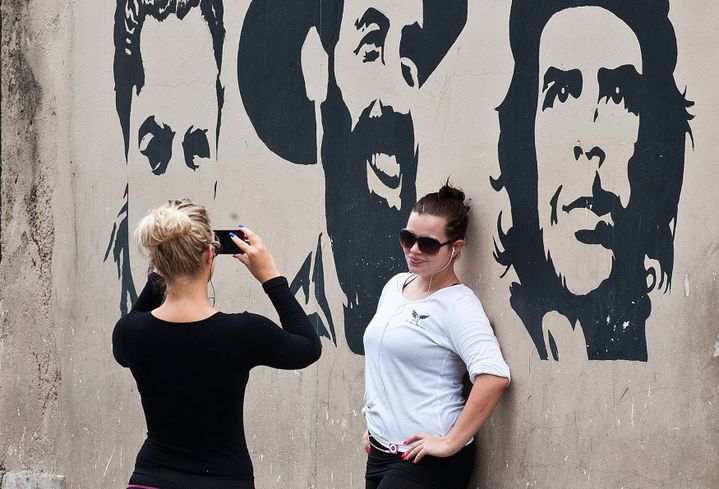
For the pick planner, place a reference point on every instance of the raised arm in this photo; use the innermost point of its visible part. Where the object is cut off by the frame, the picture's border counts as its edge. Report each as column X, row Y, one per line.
column 296, row 344
column 151, row 296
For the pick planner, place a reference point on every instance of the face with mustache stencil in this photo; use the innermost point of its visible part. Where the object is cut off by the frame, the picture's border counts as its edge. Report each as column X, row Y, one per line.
column 377, row 76
column 586, row 128
column 369, row 150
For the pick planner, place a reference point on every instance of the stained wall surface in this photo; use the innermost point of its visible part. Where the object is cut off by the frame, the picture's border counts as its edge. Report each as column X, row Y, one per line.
column 582, row 131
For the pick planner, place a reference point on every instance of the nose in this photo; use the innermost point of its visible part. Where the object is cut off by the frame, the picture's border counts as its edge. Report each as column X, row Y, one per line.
column 375, row 109
column 595, row 152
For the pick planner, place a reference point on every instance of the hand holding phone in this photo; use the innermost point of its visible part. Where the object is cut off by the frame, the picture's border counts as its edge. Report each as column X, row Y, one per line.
column 227, row 246
column 255, row 256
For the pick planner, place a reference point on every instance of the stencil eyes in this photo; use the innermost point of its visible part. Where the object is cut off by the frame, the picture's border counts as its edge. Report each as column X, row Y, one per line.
column 375, row 25
column 618, row 85
column 155, row 143
column 195, row 145
column 559, row 85
column 622, row 84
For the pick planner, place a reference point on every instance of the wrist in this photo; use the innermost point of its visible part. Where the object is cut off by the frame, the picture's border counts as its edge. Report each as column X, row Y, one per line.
column 273, row 283
column 454, row 442
column 266, row 277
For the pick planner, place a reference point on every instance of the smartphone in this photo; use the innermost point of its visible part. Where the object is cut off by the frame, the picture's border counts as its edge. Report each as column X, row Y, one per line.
column 227, row 246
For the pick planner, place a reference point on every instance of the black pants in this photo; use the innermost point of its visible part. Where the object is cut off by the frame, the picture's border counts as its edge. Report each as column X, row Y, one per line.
column 389, row 471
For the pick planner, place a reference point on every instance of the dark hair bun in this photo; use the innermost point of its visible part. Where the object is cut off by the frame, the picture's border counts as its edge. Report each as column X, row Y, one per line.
column 449, row 192
column 455, row 193
column 449, row 203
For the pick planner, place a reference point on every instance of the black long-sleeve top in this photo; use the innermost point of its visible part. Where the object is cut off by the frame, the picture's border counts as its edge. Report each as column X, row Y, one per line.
column 192, row 378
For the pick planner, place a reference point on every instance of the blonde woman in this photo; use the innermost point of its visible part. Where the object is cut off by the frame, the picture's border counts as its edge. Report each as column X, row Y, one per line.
column 191, row 362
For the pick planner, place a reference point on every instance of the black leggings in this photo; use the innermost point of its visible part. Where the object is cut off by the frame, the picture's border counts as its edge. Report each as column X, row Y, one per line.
column 389, row 471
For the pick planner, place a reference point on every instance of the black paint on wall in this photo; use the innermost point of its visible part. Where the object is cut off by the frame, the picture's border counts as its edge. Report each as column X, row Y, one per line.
column 127, row 65
column 155, row 134
column 362, row 225
column 613, row 315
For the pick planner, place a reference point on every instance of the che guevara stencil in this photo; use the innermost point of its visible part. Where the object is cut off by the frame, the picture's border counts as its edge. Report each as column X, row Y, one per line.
column 591, row 152
column 361, row 132
column 168, row 97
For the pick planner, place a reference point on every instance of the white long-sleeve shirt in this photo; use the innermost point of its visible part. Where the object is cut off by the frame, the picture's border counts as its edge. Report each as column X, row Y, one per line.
column 416, row 353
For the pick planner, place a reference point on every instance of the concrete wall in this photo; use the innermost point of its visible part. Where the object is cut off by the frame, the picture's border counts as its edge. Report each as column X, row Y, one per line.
column 625, row 398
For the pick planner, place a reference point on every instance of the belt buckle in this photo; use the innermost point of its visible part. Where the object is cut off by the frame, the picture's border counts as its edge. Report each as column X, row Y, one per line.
column 392, row 448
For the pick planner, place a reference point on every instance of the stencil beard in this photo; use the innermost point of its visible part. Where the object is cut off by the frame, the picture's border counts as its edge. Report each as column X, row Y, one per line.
column 362, row 222
column 386, row 144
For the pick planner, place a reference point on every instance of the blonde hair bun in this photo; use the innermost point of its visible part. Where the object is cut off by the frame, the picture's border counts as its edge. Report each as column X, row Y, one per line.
column 174, row 236
column 162, row 225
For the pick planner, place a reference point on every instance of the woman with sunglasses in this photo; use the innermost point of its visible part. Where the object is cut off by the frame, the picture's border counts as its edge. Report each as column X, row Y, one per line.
column 428, row 331
column 191, row 362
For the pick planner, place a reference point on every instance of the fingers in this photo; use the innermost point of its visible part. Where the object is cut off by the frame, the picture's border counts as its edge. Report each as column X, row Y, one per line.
column 240, row 243
column 365, row 441
column 250, row 235
column 413, row 438
column 416, row 449
column 416, row 442
column 417, row 452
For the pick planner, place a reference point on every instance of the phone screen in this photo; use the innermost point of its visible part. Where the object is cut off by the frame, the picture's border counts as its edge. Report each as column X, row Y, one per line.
column 227, row 246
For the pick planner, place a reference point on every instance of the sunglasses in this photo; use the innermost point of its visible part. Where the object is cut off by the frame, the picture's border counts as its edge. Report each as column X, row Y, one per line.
column 426, row 245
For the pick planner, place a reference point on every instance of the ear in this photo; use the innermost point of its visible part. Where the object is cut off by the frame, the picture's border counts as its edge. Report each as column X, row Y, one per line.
column 209, row 254
column 457, row 247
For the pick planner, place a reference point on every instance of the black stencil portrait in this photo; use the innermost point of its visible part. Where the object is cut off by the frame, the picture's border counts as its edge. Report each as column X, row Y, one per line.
column 379, row 54
column 170, row 146
column 593, row 133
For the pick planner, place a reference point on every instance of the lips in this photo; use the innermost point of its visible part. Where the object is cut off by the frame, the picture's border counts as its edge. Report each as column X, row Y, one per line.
column 386, row 168
column 600, row 235
column 415, row 261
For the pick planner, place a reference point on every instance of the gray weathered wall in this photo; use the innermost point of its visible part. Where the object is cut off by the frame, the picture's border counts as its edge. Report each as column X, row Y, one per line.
column 629, row 420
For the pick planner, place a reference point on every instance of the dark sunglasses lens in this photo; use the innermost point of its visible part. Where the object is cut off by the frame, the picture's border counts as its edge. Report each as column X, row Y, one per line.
column 407, row 239
column 429, row 246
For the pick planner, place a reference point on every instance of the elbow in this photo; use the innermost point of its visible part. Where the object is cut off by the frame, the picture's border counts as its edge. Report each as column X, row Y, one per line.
column 312, row 354
column 316, row 351
column 501, row 384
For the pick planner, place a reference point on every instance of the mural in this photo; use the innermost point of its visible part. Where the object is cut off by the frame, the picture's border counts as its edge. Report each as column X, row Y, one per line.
column 162, row 132
column 591, row 152
column 363, row 133
column 591, row 147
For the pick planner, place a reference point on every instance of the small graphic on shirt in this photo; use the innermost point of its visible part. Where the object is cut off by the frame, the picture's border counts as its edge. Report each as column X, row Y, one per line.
column 416, row 318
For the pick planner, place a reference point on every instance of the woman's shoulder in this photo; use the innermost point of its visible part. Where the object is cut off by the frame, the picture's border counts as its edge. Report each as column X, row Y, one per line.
column 396, row 283
column 463, row 300
column 245, row 321
column 133, row 319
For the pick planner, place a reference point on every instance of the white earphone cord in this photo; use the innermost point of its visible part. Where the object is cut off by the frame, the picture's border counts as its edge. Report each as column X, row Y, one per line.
column 440, row 270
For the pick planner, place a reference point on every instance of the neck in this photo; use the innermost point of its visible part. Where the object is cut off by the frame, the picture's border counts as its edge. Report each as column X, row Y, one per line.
column 438, row 280
column 188, row 293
